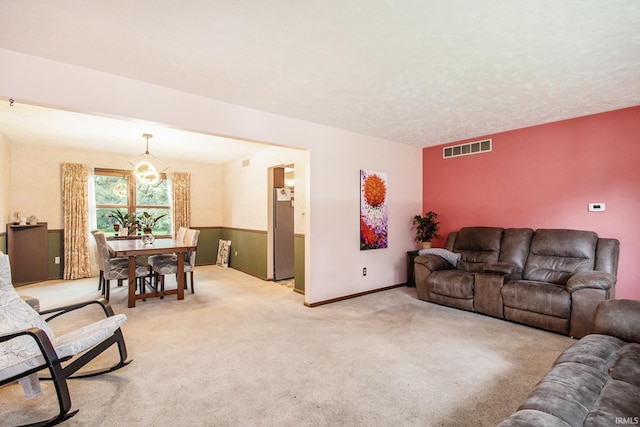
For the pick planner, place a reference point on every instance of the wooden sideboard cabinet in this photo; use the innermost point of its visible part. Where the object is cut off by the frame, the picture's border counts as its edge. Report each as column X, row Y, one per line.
column 27, row 248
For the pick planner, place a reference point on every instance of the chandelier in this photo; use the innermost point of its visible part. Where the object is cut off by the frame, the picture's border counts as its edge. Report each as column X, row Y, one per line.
column 147, row 168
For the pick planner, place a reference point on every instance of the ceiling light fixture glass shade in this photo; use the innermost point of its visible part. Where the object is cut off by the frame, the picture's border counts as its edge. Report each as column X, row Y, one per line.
column 147, row 168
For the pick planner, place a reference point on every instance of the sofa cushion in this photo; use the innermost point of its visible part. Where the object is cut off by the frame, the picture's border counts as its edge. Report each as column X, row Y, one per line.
column 620, row 318
column 627, row 366
column 477, row 245
column 617, row 404
column 567, row 392
column 537, row 297
column 514, row 248
column 597, row 351
column 452, row 283
column 555, row 255
column 531, row 417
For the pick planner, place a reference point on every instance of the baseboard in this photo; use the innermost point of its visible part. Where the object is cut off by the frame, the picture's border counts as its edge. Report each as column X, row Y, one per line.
column 329, row 301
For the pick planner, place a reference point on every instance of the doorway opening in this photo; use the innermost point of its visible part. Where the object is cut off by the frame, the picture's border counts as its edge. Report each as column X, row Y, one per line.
column 281, row 218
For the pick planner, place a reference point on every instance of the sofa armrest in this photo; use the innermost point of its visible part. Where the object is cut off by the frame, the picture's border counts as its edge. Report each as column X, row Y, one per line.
column 501, row 268
column 433, row 262
column 620, row 318
column 590, row 279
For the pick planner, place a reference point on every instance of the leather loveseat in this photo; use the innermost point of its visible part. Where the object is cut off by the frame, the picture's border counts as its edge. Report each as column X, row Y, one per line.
column 552, row 279
column 596, row 381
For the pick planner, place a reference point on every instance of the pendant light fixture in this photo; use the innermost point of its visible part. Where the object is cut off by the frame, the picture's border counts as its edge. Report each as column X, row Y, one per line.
column 147, row 168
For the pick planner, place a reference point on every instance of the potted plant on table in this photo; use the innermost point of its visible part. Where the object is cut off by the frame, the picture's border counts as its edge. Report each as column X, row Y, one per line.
column 123, row 221
column 426, row 228
column 147, row 222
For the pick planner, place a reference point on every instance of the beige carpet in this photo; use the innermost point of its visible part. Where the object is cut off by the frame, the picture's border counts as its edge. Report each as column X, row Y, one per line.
column 244, row 352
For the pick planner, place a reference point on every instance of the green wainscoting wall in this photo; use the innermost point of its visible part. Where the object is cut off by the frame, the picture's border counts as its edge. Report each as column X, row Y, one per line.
column 55, row 242
column 298, row 268
column 248, row 251
column 207, row 245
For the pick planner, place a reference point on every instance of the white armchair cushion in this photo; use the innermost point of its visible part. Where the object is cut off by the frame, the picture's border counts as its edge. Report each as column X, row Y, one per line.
column 19, row 354
column 87, row 336
column 5, row 271
column 22, row 353
column 17, row 315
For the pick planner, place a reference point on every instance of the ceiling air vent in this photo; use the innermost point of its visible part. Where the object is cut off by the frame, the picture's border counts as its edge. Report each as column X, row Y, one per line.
column 475, row 147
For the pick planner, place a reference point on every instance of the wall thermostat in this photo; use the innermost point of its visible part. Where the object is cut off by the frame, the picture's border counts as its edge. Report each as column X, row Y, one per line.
column 596, row 207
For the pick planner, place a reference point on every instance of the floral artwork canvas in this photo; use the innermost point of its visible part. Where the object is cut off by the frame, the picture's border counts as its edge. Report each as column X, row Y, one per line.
column 373, row 210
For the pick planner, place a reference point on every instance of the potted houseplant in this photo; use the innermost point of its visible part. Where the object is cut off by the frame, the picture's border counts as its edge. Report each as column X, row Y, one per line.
column 426, row 228
column 123, row 221
column 148, row 221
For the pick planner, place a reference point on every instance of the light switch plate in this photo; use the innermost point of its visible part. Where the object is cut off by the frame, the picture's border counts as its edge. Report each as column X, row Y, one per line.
column 596, row 207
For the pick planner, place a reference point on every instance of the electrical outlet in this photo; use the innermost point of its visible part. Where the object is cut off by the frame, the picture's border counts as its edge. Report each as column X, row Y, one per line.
column 56, row 260
column 364, row 271
column 236, row 253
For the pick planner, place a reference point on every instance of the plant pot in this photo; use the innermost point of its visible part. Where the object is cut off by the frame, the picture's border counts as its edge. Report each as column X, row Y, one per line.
column 426, row 245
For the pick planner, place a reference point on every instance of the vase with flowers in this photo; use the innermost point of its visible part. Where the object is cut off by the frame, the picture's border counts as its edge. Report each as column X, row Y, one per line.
column 147, row 221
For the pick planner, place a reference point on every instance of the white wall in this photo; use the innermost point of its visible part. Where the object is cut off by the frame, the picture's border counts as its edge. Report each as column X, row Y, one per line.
column 246, row 189
column 6, row 214
column 333, row 261
column 37, row 189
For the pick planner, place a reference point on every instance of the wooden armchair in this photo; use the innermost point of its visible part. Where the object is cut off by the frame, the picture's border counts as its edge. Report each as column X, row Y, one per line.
column 28, row 345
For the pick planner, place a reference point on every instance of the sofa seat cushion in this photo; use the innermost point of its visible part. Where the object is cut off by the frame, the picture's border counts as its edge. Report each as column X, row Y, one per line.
column 531, row 417
column 452, row 283
column 538, row 297
column 568, row 391
column 617, row 404
column 595, row 350
column 627, row 365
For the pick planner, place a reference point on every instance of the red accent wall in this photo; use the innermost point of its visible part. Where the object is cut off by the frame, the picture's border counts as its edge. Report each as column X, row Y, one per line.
column 544, row 177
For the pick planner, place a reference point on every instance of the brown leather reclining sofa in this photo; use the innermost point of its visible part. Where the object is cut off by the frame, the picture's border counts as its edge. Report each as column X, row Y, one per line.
column 552, row 279
column 596, row 381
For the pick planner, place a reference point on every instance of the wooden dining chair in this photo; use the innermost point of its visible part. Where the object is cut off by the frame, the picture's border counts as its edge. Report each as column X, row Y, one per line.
column 115, row 268
column 182, row 231
column 164, row 266
column 112, row 259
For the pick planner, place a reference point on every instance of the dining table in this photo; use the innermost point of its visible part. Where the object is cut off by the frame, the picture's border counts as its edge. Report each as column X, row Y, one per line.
column 131, row 248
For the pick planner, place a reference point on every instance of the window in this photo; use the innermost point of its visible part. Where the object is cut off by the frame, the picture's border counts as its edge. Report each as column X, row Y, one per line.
column 115, row 191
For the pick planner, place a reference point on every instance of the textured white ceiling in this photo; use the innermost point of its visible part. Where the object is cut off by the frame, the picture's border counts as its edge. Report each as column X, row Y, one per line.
column 33, row 124
column 420, row 72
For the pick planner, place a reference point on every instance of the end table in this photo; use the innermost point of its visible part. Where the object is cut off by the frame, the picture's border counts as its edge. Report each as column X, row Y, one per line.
column 411, row 277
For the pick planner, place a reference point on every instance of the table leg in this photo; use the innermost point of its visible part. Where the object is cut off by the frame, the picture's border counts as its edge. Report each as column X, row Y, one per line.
column 132, row 281
column 181, row 275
